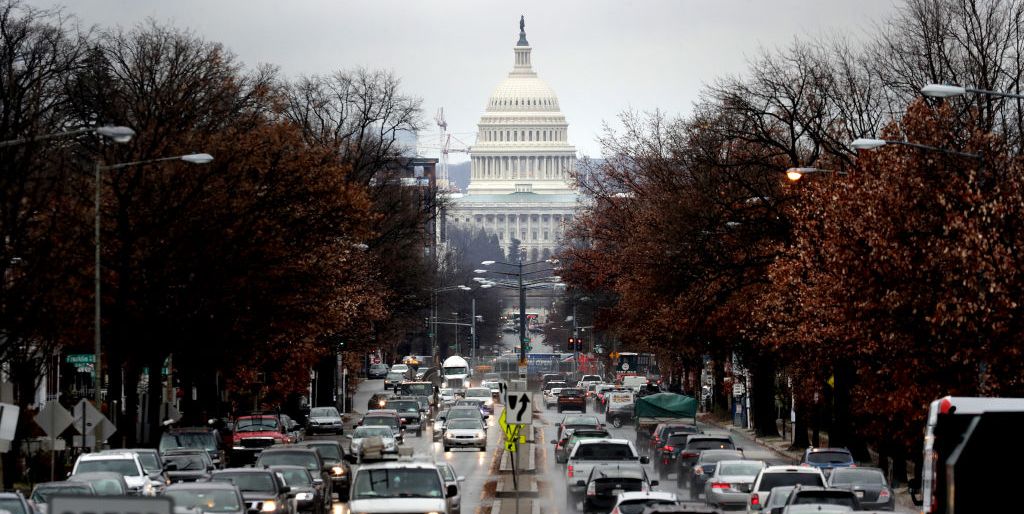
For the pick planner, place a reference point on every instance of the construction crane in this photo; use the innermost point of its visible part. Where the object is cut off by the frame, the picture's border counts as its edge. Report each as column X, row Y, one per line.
column 446, row 148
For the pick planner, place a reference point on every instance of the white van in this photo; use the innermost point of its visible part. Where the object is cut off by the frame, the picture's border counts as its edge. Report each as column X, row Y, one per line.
column 634, row 382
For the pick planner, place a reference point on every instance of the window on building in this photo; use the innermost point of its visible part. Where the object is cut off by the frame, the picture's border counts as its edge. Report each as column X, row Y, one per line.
column 501, row 235
column 545, row 235
column 534, row 235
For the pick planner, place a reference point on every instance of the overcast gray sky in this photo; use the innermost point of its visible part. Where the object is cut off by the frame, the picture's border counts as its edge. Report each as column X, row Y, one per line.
column 600, row 56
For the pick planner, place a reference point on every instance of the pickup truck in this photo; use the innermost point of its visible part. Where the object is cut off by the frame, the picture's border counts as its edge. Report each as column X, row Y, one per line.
column 571, row 398
column 594, row 452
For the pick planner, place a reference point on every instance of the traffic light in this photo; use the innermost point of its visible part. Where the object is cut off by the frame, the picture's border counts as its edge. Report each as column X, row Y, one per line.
column 572, row 344
column 575, row 345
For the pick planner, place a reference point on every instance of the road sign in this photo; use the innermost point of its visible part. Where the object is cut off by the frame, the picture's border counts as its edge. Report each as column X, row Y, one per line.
column 8, row 421
column 92, row 420
column 614, row 355
column 111, row 504
column 54, row 418
column 80, row 358
column 513, row 438
column 517, row 405
column 376, row 360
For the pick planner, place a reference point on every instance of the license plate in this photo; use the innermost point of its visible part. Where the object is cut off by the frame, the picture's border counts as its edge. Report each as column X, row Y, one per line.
column 860, row 494
column 616, row 492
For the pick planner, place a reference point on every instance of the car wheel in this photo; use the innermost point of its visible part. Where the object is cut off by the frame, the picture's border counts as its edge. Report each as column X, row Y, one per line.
column 483, row 448
column 447, row 449
column 616, row 422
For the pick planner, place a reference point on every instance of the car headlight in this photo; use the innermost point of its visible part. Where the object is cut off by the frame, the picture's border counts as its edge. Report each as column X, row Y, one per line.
column 448, row 435
column 269, row 506
column 147, row 489
column 481, row 435
column 338, row 470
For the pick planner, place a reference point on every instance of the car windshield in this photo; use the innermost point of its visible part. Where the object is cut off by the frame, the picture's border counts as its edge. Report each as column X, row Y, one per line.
column 256, row 424
column 380, row 421
column 604, row 451
column 739, row 468
column 638, row 506
column 186, row 462
column 106, row 486
column 203, row 440
column 829, row 458
column 124, row 467
column 296, row 477
column 397, row 483
column 479, row 392
column 252, row 482
column 43, row 494
column 463, row 413
column 770, row 480
column 857, row 476
column 466, row 423
column 149, row 462
column 708, row 444
column 289, row 459
column 328, row 451
column 206, row 500
column 323, row 412
column 404, row 405
column 417, row 389
column 369, row 431
column 677, row 439
column 12, row 506
column 455, row 370
column 396, row 375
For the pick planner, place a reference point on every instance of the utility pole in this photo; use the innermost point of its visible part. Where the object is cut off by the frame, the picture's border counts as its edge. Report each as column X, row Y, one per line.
column 472, row 331
column 522, row 315
column 575, row 339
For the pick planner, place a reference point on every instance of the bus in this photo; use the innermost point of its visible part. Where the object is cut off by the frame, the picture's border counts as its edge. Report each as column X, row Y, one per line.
column 632, row 363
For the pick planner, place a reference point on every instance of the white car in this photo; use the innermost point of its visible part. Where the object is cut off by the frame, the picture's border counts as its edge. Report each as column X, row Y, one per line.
column 775, row 476
column 403, row 368
column 634, row 502
column 400, row 487
column 484, row 395
column 450, row 478
column 465, row 433
column 126, row 464
column 384, row 432
column 447, row 396
column 551, row 397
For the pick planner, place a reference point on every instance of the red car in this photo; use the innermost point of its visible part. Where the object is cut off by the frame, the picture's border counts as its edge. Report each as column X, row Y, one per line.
column 254, row 433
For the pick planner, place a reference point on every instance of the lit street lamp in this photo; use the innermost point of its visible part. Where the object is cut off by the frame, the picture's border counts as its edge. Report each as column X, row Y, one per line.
column 795, row 174
column 121, row 135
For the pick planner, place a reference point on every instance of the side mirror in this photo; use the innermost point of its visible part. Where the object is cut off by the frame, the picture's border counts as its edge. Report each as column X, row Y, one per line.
column 645, row 460
column 453, row 490
column 171, row 466
column 286, row 489
column 461, row 479
column 318, row 481
column 581, row 482
column 654, row 483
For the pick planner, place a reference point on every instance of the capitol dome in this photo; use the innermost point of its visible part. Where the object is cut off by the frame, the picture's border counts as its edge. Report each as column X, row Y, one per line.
column 523, row 94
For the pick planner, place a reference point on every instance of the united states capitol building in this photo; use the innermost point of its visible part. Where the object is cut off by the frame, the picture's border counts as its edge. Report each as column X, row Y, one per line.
column 520, row 180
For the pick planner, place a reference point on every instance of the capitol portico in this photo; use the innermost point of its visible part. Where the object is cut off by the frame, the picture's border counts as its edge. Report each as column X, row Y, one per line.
column 520, row 179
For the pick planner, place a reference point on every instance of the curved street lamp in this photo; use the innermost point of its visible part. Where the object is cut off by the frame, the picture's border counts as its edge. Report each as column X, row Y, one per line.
column 950, row 90
column 871, row 144
column 116, row 133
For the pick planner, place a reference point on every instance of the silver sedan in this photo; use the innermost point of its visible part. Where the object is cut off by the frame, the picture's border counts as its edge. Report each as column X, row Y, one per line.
column 730, row 485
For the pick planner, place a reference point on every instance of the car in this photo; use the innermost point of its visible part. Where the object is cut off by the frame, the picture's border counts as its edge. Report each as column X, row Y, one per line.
column 774, row 476
column 606, row 482
column 394, row 378
column 310, row 492
column 706, row 465
column 814, row 495
column 422, row 391
column 590, row 453
column 550, row 397
column 579, row 421
column 400, row 368
column 400, row 487
column 465, row 411
column 571, row 399
column 777, row 498
column 378, row 400
column 187, row 465
column 451, row 478
column 547, row 378
column 212, row 497
column 447, row 395
column 666, row 458
column 437, row 429
column 662, row 430
column 152, row 463
column 483, row 394
column 14, row 503
column 325, row 420
column 293, row 429
column 409, row 413
column 292, row 455
column 618, row 406
column 126, row 464
column 869, row 484
column 195, row 438
column 263, row 490
column 465, row 433
column 104, row 483
column 41, row 493
column 377, row 371
column 253, row 434
column 363, row 435
column 695, row 444
column 729, row 485
column 827, row 459
column 383, row 417
column 599, row 395
column 338, row 460
column 492, row 381
column 635, row 502
column 571, row 436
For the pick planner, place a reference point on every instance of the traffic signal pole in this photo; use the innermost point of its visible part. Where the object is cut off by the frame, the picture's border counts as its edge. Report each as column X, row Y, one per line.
column 522, row 316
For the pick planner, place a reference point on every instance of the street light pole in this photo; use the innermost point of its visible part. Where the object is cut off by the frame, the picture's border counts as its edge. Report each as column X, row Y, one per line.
column 472, row 331
column 576, row 340
column 522, row 317
column 197, row 158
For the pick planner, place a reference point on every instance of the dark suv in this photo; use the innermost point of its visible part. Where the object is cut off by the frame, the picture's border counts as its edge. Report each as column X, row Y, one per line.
column 337, row 461
column 408, row 409
column 827, row 459
column 195, row 438
column 694, row 445
column 571, row 398
column 263, row 490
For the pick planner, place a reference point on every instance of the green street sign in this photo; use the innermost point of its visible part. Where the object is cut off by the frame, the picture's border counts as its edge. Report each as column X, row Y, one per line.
column 526, row 339
column 80, row 358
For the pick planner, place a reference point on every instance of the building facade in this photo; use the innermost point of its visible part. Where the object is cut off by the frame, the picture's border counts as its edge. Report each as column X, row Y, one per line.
column 520, row 184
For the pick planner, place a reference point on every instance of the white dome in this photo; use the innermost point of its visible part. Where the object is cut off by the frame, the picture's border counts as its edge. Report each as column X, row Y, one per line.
column 523, row 93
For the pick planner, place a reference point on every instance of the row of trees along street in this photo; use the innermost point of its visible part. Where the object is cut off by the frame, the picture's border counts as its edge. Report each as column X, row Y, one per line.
column 297, row 240
column 861, row 294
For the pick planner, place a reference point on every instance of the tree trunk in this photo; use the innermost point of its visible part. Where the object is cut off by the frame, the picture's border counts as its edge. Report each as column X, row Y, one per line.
column 763, row 396
column 719, row 400
column 155, row 412
column 325, row 371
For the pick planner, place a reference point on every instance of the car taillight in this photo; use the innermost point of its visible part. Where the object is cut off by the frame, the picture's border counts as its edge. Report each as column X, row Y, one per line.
column 719, row 485
column 697, row 470
column 804, row 464
column 754, row 500
column 883, row 495
column 853, row 465
column 667, row 448
column 568, row 470
column 592, row 489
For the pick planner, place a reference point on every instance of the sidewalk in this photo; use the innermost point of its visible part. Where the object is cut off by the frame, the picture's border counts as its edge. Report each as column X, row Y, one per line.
column 780, row 446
